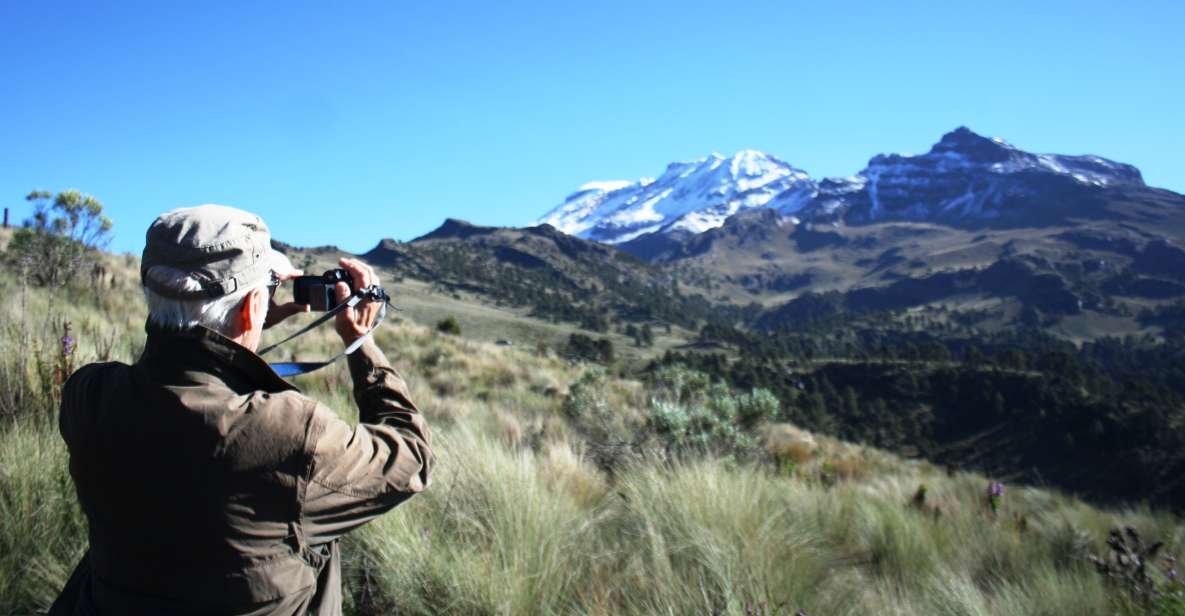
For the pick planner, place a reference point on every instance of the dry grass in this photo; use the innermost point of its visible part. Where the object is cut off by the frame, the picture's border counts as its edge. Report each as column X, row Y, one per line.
column 519, row 520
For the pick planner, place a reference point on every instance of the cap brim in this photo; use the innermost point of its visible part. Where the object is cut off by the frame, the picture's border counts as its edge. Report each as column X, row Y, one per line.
column 278, row 262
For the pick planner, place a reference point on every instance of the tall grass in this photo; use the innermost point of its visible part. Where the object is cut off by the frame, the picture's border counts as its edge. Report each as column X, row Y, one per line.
column 525, row 517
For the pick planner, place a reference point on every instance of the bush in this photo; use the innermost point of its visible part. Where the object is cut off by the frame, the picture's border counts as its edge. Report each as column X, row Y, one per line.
column 611, row 435
column 757, row 406
column 679, row 383
column 449, row 325
column 61, row 239
column 585, row 348
column 689, row 411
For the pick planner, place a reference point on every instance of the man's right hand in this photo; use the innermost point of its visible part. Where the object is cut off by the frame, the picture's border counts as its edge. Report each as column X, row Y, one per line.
column 352, row 323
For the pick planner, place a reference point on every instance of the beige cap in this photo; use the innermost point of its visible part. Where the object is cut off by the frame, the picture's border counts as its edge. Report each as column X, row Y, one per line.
column 208, row 251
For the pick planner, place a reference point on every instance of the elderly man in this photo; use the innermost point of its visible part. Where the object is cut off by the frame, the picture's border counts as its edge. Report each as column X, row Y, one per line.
column 211, row 485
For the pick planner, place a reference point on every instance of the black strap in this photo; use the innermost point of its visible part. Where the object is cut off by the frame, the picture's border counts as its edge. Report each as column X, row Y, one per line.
column 332, row 312
column 295, row 368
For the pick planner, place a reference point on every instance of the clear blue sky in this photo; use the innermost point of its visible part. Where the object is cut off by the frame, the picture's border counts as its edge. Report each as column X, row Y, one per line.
column 347, row 122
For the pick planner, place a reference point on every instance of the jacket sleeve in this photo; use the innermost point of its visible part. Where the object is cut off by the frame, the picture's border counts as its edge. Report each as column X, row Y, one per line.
column 360, row 472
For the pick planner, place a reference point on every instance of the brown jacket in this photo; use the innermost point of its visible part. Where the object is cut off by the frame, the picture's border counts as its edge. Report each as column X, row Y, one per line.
column 212, row 486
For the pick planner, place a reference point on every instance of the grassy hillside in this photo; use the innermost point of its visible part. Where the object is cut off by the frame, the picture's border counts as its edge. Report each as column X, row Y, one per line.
column 426, row 294
column 1081, row 279
column 555, row 276
column 564, row 489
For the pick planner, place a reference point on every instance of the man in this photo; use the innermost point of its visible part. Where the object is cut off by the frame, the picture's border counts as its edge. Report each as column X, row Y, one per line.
column 211, row 485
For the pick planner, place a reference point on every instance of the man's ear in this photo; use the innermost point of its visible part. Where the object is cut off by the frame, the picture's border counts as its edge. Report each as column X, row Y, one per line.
column 253, row 310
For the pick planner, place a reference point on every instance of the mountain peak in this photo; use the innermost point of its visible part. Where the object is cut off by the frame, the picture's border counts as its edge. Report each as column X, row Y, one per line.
column 692, row 195
column 455, row 228
column 753, row 163
column 968, row 144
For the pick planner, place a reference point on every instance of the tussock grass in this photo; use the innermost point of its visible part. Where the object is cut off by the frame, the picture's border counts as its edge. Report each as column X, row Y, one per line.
column 523, row 517
column 42, row 531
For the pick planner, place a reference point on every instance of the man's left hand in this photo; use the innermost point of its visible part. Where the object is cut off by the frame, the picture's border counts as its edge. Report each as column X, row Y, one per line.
column 276, row 313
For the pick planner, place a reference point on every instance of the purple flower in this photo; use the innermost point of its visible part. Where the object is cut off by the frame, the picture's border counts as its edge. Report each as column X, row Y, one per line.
column 67, row 344
column 995, row 494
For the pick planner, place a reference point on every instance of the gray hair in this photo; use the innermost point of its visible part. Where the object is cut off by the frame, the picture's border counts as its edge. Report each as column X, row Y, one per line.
column 216, row 313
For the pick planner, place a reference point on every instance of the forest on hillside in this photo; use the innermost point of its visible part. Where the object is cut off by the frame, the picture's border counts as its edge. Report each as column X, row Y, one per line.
column 1104, row 420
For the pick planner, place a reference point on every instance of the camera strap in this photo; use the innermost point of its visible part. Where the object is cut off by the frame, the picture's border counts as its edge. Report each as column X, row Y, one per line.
column 294, row 368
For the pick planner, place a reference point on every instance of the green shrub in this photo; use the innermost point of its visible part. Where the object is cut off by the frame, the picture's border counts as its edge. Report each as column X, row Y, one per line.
column 607, row 431
column 757, row 406
column 669, row 420
column 690, row 410
column 679, row 383
column 584, row 348
column 449, row 325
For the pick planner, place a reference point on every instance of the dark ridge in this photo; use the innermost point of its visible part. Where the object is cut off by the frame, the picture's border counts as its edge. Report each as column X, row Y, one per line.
column 972, row 145
column 1151, row 288
column 513, row 256
column 572, row 247
column 809, row 240
column 453, row 228
column 386, row 254
column 658, row 246
column 1162, row 258
column 1043, row 291
column 1097, row 240
column 288, row 249
column 745, row 227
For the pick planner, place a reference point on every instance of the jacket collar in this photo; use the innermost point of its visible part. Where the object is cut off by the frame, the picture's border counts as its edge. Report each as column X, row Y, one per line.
column 203, row 350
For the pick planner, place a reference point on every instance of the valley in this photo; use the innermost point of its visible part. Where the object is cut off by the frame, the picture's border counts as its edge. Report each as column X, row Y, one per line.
column 1038, row 335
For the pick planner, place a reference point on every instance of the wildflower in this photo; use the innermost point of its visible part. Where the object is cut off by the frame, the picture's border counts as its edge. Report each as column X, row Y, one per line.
column 65, row 364
column 995, row 494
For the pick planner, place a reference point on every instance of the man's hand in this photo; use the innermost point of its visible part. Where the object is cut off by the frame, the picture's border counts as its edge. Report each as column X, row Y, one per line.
column 352, row 323
column 276, row 313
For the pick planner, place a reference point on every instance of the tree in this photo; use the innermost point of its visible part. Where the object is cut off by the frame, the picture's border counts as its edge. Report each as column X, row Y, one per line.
column 64, row 234
column 647, row 335
column 583, row 347
column 594, row 321
column 631, row 330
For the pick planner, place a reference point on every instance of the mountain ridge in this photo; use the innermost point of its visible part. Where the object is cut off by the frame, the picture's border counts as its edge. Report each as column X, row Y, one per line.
column 965, row 179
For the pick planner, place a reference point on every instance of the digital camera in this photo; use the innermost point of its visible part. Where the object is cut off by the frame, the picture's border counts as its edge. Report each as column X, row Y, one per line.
column 317, row 291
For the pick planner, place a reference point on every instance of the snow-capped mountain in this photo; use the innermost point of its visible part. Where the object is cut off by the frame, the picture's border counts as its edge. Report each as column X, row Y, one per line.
column 970, row 179
column 691, row 196
column 964, row 178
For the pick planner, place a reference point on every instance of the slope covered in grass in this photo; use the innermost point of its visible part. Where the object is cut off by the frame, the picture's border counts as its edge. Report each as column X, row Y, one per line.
column 565, row 488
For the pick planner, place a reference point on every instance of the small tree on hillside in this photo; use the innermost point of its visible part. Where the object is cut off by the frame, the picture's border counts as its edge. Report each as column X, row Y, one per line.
column 631, row 330
column 64, row 235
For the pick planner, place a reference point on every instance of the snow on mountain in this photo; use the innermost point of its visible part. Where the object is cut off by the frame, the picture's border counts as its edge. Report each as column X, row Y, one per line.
column 583, row 208
column 965, row 176
column 693, row 196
